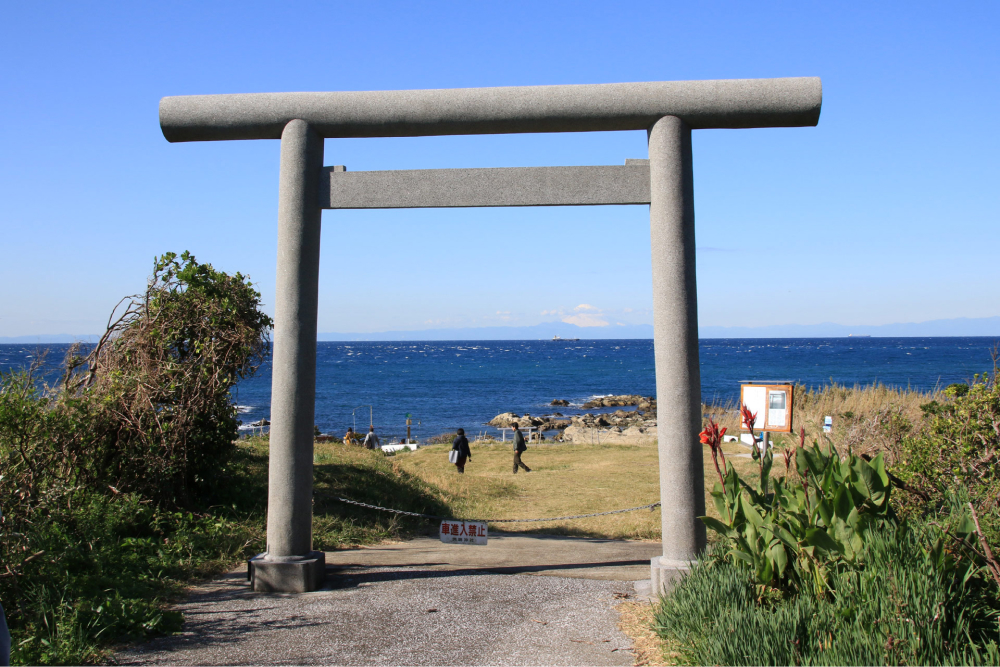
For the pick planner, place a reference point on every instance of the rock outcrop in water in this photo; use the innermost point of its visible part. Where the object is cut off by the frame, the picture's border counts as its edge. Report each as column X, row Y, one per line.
column 508, row 419
column 626, row 427
column 643, row 403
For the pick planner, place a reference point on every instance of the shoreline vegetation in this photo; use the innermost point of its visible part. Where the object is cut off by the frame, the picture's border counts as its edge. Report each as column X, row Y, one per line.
column 113, row 506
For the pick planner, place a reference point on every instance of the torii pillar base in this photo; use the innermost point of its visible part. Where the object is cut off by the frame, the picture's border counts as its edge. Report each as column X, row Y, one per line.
column 664, row 574
column 287, row 575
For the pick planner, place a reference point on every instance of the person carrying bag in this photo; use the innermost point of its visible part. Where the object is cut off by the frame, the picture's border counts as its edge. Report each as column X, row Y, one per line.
column 460, row 452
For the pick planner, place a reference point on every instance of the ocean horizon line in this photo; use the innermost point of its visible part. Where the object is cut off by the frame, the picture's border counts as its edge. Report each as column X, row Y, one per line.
column 85, row 341
column 960, row 327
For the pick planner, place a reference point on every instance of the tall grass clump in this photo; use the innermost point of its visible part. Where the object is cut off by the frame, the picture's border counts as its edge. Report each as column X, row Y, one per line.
column 907, row 602
column 866, row 418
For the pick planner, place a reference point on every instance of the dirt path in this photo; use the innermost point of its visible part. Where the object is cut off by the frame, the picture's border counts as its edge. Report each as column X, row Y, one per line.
column 520, row 600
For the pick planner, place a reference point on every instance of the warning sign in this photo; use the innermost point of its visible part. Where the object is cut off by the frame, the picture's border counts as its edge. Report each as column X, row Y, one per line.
column 454, row 531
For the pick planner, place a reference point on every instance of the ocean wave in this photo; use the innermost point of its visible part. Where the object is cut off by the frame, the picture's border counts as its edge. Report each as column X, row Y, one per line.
column 244, row 409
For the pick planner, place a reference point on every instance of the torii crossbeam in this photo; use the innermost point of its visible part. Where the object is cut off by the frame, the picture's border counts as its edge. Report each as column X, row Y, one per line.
column 668, row 110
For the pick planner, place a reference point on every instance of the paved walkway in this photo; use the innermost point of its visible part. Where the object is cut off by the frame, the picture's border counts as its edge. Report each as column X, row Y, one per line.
column 520, row 600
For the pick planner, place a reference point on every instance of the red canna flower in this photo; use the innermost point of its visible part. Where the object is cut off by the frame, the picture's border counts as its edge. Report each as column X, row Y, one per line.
column 789, row 453
column 711, row 435
column 749, row 418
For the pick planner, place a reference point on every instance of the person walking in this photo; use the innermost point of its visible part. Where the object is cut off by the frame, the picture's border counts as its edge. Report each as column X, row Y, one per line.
column 371, row 440
column 461, row 445
column 519, row 447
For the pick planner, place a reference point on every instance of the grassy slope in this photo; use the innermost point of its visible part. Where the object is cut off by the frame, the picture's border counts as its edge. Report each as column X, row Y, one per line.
column 565, row 479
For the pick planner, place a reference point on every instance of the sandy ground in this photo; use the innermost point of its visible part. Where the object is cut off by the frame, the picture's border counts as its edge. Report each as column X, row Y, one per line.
column 520, row 600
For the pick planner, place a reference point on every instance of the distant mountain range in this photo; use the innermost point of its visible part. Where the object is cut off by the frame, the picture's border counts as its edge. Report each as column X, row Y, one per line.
column 45, row 339
column 536, row 332
column 962, row 326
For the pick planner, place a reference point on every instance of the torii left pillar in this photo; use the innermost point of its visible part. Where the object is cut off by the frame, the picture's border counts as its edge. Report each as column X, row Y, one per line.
column 290, row 565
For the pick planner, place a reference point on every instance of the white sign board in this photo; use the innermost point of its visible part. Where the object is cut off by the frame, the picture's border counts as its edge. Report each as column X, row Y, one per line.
column 777, row 409
column 755, row 398
column 772, row 403
column 454, row 531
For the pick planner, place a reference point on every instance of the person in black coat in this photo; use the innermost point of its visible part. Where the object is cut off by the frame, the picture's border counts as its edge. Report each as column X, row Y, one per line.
column 461, row 445
column 519, row 448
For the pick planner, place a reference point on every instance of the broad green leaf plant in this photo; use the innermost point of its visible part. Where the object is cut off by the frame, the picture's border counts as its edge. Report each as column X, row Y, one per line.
column 790, row 532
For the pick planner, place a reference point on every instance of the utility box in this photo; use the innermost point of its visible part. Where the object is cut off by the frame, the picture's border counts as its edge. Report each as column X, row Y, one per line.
column 772, row 403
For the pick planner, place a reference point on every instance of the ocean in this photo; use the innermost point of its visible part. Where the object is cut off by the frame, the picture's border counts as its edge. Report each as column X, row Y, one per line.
column 449, row 384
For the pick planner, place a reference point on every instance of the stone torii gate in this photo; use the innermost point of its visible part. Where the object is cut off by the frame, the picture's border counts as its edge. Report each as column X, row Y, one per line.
column 667, row 110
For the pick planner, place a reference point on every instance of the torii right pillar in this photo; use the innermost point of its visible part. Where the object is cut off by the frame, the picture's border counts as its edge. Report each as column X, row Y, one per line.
column 675, row 326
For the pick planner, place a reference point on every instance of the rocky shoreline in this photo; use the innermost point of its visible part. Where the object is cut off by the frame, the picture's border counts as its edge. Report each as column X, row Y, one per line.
column 619, row 427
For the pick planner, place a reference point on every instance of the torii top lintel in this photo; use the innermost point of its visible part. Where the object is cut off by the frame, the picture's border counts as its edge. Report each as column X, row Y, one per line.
column 728, row 103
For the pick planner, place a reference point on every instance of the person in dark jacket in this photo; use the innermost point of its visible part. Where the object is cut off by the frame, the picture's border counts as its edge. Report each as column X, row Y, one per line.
column 519, row 447
column 371, row 440
column 461, row 445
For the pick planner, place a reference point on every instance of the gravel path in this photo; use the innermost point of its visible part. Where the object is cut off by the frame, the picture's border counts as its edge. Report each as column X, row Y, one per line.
column 401, row 617
column 426, row 612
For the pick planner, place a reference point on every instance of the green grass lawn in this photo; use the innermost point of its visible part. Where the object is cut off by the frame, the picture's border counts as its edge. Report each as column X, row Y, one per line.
column 566, row 479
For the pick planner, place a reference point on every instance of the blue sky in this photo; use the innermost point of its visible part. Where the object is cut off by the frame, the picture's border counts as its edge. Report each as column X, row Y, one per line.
column 886, row 212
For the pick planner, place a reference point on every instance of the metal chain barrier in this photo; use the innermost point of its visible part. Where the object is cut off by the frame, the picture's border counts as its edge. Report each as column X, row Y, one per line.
column 650, row 507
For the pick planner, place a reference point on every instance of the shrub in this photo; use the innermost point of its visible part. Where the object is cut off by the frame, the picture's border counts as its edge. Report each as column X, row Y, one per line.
column 94, row 471
column 162, row 376
column 962, row 445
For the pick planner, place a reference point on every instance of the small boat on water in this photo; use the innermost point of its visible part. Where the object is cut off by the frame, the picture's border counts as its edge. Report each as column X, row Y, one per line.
column 557, row 339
